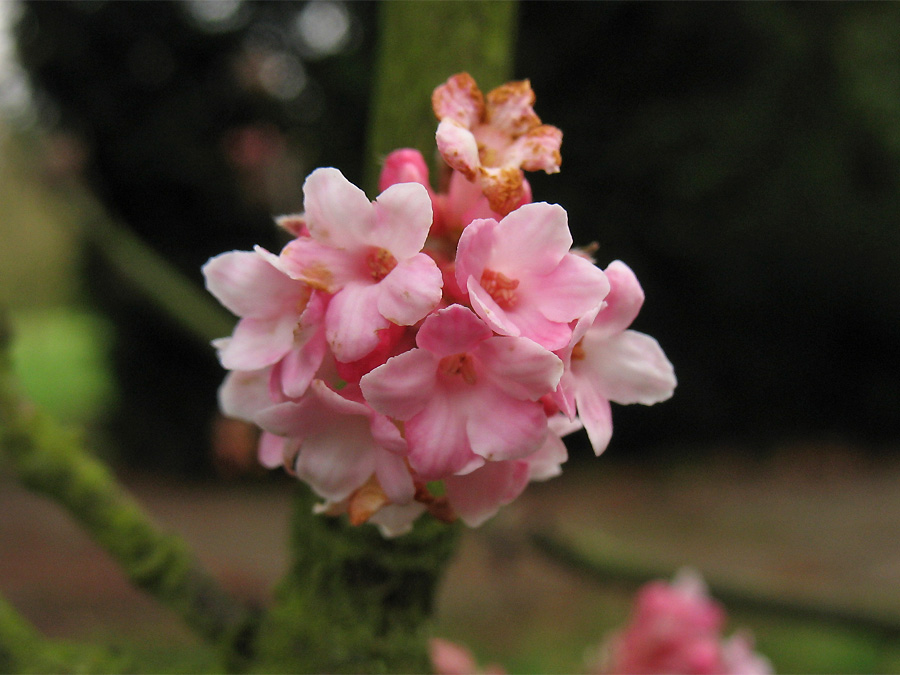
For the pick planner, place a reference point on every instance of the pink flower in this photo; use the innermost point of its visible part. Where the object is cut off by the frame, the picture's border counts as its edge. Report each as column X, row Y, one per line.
column 454, row 209
column 676, row 628
column 521, row 278
column 465, row 396
column 336, row 445
column 609, row 363
column 368, row 256
column 492, row 141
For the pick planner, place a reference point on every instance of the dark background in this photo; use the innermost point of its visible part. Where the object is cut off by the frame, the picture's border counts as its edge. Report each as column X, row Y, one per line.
column 742, row 158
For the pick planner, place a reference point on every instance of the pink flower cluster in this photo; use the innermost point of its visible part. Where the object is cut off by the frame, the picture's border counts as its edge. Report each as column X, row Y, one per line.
column 677, row 628
column 433, row 337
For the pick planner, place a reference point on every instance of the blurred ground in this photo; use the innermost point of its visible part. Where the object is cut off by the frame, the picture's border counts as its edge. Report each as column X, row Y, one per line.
column 811, row 523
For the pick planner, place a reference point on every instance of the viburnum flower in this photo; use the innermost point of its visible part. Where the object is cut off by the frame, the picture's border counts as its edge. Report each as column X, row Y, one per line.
column 465, row 396
column 522, row 279
column 676, row 628
column 454, row 209
column 367, row 255
column 491, row 141
column 606, row 362
column 336, row 445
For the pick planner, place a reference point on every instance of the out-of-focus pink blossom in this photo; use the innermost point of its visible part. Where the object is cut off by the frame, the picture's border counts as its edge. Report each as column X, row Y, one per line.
column 676, row 628
column 491, row 141
column 336, row 445
column 521, row 278
column 607, row 363
column 367, row 255
column 465, row 396
column 449, row 658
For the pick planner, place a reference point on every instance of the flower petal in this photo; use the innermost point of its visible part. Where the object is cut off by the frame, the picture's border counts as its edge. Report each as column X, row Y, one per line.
column 534, row 237
column 352, row 321
column 460, row 99
column 401, row 387
column 509, row 108
column 520, row 367
column 393, row 475
column 257, row 343
column 452, row 330
column 596, row 415
column 404, row 166
column 248, row 285
column 629, row 367
column 322, row 267
column 473, row 253
column 270, row 451
column 500, row 427
column 410, row 291
column 403, row 217
column 571, row 290
column 538, row 149
column 244, row 393
column 338, row 213
column 477, row 496
column 458, row 147
column 438, row 443
column 623, row 302
column 490, row 312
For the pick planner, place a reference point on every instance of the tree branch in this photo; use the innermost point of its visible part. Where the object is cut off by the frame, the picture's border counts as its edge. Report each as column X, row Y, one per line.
column 53, row 461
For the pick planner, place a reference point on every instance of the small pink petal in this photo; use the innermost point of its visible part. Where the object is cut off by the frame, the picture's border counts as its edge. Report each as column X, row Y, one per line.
column 532, row 324
column 534, row 237
column 596, row 415
column 270, row 451
column 352, row 321
column 460, row 99
column 570, row 291
column 322, row 267
column 243, row 394
column 438, row 443
column 337, row 461
column 473, row 253
column 501, row 428
column 404, row 166
column 257, row 343
column 393, row 475
column 248, row 285
column 458, row 147
column 338, row 213
column 410, row 291
column 403, row 385
column 623, row 302
column 403, row 218
column 452, row 330
column 629, row 368
column 520, row 367
column 538, row 150
column 394, row 520
column 509, row 108
column 477, row 496
column 299, row 366
column 491, row 313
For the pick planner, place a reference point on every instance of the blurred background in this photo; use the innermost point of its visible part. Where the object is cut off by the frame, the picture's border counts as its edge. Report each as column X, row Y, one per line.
column 742, row 158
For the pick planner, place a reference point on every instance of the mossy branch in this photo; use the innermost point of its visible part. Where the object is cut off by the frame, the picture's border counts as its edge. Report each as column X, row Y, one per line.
column 354, row 602
column 24, row 650
column 53, row 461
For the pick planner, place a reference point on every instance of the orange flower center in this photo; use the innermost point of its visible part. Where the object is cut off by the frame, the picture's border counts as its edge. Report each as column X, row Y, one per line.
column 578, row 352
column 380, row 262
column 459, row 364
column 500, row 287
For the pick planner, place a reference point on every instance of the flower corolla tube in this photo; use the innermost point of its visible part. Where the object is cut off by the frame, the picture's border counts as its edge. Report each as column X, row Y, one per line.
column 428, row 350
